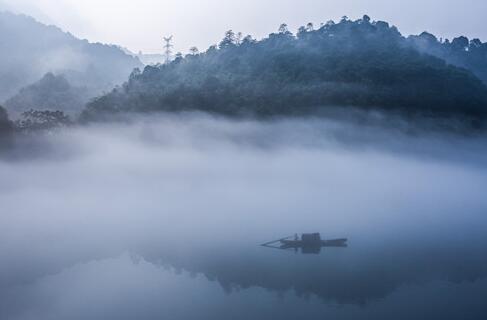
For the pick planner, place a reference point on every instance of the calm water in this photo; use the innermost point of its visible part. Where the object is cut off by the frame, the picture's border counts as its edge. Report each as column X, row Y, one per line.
column 162, row 219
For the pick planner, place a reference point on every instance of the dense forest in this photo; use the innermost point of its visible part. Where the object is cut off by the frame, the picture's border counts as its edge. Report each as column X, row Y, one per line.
column 362, row 63
column 461, row 52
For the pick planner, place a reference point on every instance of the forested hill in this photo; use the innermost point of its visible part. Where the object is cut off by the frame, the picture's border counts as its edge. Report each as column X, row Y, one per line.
column 351, row 63
column 52, row 93
column 29, row 50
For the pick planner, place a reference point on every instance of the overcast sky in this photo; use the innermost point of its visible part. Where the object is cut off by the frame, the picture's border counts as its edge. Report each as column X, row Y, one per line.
column 141, row 24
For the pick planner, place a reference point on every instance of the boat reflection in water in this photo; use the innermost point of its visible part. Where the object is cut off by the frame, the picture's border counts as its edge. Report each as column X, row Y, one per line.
column 308, row 243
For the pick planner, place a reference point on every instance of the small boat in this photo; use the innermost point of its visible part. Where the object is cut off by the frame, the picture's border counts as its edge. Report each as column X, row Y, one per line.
column 308, row 243
column 323, row 243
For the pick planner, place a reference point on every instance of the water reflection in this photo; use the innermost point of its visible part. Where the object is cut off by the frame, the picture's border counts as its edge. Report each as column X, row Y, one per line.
column 359, row 275
column 100, row 233
column 368, row 275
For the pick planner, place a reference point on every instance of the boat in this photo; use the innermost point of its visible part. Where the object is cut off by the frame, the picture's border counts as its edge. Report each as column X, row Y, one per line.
column 308, row 243
column 323, row 243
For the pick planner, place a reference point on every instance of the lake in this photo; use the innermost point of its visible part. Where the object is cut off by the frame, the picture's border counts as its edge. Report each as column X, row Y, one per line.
column 163, row 217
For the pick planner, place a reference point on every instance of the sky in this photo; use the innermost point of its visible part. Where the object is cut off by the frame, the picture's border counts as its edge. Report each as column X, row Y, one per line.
column 140, row 25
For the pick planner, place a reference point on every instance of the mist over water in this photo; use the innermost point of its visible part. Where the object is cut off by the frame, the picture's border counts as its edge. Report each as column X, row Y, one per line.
column 137, row 219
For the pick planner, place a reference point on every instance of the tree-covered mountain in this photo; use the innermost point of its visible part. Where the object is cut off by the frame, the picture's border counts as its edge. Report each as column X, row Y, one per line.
column 350, row 63
column 29, row 50
column 53, row 93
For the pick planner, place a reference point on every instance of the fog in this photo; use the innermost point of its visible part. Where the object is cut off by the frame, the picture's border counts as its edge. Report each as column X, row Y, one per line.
column 90, row 214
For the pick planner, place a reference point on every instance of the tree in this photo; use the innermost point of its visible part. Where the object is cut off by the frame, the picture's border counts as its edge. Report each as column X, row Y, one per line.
column 366, row 19
column 239, row 38
column 135, row 74
column 476, row 43
column 301, row 31
column 178, row 57
column 329, row 24
column 229, row 40
column 194, row 51
column 211, row 49
column 460, row 43
column 43, row 120
column 283, row 29
column 248, row 40
column 310, row 27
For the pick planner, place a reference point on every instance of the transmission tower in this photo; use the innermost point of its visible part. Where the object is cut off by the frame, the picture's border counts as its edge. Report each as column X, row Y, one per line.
column 168, row 48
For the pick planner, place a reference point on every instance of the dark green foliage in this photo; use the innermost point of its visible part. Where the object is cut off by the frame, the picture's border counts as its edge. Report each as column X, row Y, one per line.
column 352, row 63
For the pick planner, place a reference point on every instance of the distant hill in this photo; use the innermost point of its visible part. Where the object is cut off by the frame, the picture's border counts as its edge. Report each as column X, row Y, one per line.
column 29, row 50
column 50, row 93
column 362, row 63
column 147, row 58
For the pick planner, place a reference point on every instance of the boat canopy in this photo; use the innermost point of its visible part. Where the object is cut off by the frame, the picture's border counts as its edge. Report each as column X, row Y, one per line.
column 311, row 239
